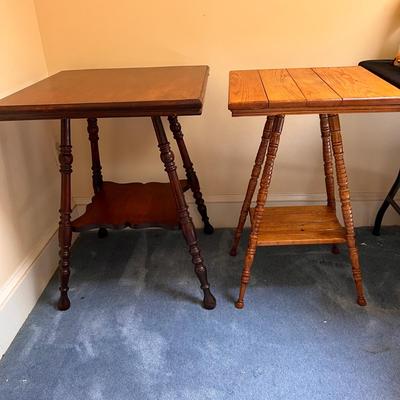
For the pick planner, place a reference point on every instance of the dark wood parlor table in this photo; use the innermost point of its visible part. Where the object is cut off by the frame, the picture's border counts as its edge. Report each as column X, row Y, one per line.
column 123, row 92
column 325, row 91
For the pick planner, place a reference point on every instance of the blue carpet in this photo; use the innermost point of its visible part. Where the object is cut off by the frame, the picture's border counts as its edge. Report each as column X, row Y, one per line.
column 136, row 329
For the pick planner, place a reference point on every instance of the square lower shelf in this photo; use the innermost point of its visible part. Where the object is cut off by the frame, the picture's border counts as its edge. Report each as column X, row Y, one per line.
column 135, row 205
column 299, row 225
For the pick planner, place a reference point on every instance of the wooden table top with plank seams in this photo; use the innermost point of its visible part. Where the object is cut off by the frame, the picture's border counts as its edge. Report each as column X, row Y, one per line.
column 310, row 91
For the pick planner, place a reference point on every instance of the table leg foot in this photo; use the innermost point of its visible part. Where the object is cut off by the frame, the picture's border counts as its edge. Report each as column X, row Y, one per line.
column 209, row 301
column 208, row 229
column 361, row 301
column 63, row 302
column 233, row 252
column 102, row 233
column 239, row 304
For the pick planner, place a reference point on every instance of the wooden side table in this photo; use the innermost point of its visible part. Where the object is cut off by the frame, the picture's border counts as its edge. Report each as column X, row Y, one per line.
column 323, row 91
column 125, row 92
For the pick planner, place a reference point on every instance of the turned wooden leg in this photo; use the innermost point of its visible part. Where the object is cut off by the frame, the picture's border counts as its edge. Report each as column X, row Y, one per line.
column 259, row 210
column 255, row 173
column 344, row 192
column 65, row 228
column 328, row 166
column 176, row 129
column 167, row 157
column 97, row 178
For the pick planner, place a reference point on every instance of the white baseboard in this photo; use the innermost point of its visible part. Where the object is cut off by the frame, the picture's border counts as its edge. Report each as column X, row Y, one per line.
column 22, row 290
column 224, row 210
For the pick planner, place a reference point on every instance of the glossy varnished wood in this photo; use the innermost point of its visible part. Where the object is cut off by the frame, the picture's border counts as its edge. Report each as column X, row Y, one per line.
column 299, row 225
column 311, row 91
column 113, row 92
column 134, row 205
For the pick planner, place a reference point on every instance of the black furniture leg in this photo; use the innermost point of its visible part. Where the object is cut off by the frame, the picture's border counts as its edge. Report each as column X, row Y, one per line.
column 387, row 202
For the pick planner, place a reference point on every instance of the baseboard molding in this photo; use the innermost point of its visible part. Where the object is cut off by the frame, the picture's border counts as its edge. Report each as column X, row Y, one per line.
column 22, row 290
column 224, row 210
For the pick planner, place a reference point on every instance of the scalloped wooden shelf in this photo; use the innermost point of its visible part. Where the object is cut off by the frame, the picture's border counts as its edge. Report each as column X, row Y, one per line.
column 299, row 225
column 134, row 205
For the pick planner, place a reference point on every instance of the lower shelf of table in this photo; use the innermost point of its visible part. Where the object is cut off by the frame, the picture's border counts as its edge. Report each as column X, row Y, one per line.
column 299, row 225
column 135, row 205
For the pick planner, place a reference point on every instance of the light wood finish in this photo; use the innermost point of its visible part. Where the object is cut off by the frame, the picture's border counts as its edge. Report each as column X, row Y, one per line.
column 314, row 90
column 259, row 210
column 328, row 160
column 328, row 166
column 344, row 192
column 246, row 89
column 323, row 91
column 255, row 173
column 282, row 91
column 311, row 91
column 299, row 225
column 356, row 85
column 113, row 92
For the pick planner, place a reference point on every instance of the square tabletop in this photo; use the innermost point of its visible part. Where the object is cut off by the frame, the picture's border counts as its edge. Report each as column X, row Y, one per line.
column 115, row 92
column 310, row 91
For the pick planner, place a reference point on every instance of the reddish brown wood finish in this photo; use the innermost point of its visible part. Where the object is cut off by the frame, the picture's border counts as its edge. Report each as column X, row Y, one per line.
column 255, row 173
column 167, row 157
column 65, row 228
column 123, row 92
column 259, row 210
column 344, row 192
column 116, row 92
column 93, row 131
column 134, row 205
column 191, row 175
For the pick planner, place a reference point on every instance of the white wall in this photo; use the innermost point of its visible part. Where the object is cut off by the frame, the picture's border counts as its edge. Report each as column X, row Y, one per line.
column 229, row 35
column 28, row 172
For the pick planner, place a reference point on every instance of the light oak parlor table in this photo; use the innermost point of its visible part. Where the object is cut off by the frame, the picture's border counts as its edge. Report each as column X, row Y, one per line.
column 323, row 91
column 123, row 92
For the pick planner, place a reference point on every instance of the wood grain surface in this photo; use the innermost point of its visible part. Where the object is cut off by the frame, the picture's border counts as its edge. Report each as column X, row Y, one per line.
column 299, row 225
column 110, row 92
column 311, row 91
column 134, row 205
